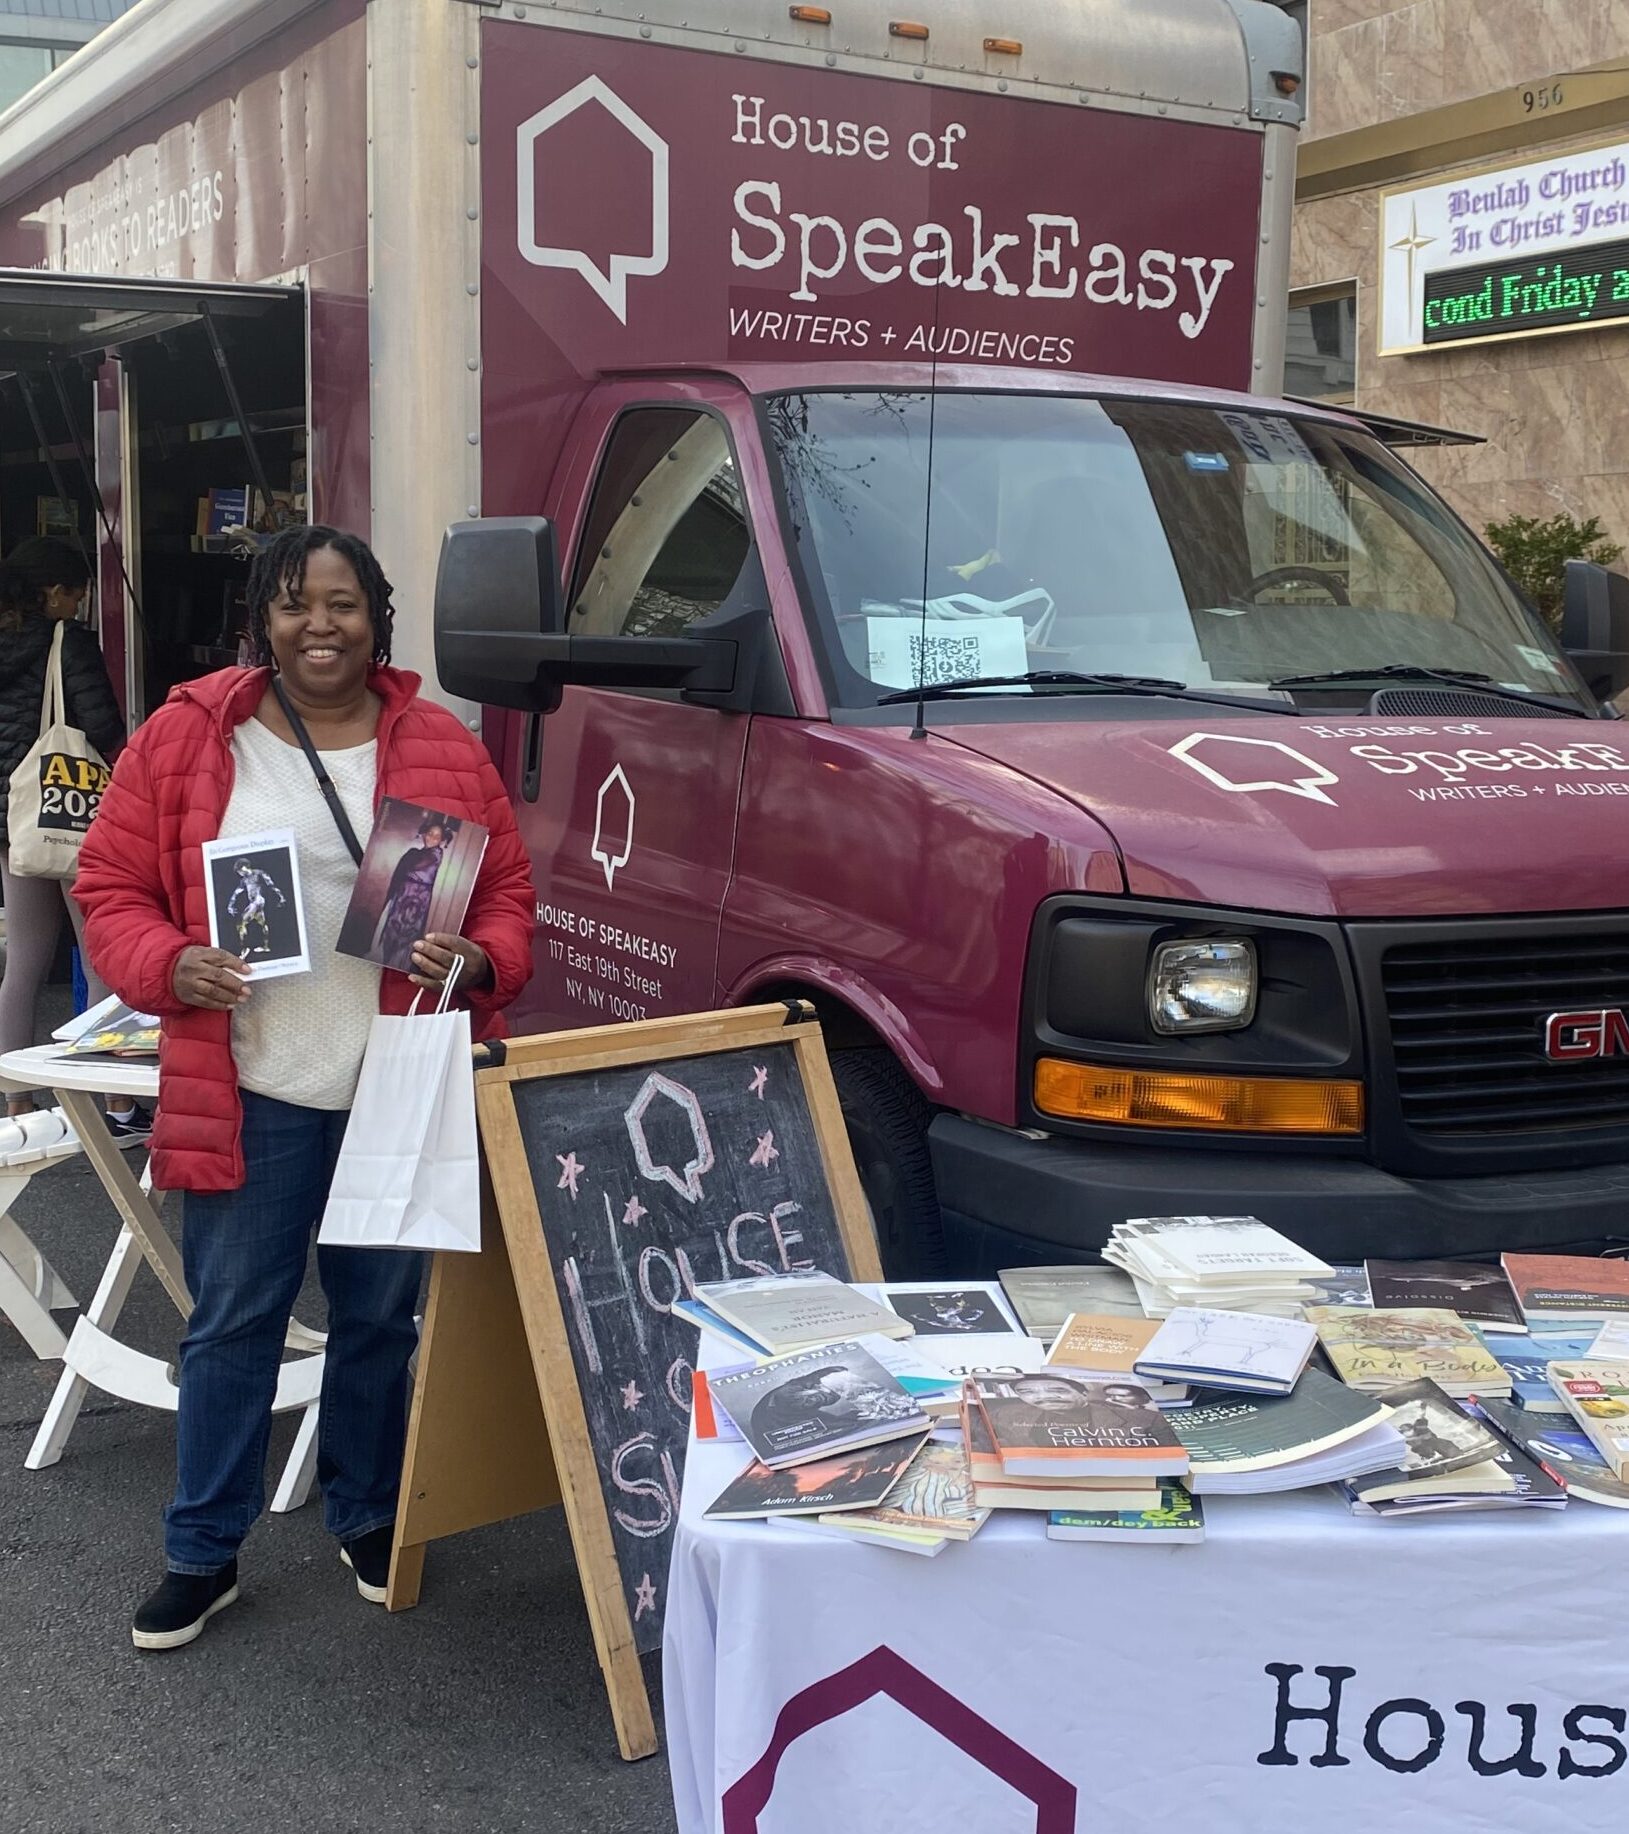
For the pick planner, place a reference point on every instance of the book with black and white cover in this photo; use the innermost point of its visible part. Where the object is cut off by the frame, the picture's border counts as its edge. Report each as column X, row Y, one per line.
column 1056, row 1424
column 1563, row 1451
column 1446, row 1449
column 971, row 1308
column 1246, row 1434
column 817, row 1403
column 1346, row 1284
column 860, row 1479
column 1244, row 1350
column 1480, row 1295
column 1510, row 1478
column 1526, row 1358
column 1176, row 1519
column 782, row 1312
column 1043, row 1297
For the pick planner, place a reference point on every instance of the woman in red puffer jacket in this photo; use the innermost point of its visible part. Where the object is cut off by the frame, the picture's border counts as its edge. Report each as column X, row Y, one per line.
column 256, row 1077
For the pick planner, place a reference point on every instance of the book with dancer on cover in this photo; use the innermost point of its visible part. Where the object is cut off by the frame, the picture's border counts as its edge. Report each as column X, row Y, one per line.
column 417, row 876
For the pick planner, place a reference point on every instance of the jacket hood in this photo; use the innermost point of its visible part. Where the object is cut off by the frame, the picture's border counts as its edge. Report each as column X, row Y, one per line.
column 231, row 695
column 1344, row 817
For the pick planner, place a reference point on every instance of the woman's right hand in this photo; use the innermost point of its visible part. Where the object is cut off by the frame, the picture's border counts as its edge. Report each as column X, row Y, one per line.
column 209, row 978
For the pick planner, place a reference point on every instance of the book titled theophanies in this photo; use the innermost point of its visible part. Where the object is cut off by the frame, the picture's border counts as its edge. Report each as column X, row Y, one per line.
column 816, row 1404
column 1056, row 1424
column 789, row 1311
column 1321, row 1432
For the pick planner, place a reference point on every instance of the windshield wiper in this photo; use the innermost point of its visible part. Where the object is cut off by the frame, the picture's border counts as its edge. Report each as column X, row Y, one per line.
column 1068, row 682
column 1409, row 671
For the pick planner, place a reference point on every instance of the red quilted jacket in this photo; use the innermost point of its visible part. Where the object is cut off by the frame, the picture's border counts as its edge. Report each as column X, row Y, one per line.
column 141, row 886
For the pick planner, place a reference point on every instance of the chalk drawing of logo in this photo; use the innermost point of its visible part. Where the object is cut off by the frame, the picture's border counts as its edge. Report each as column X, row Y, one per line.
column 687, row 1182
column 884, row 1672
column 613, row 825
column 610, row 282
column 1231, row 767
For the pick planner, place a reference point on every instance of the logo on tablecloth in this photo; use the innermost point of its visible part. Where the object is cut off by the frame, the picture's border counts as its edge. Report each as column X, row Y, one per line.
column 884, row 1672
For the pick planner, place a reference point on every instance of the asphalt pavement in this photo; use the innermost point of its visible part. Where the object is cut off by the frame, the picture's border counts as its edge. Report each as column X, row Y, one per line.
column 301, row 1707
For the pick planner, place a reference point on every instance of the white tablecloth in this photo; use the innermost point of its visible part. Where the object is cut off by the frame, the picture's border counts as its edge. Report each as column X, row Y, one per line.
column 1019, row 1686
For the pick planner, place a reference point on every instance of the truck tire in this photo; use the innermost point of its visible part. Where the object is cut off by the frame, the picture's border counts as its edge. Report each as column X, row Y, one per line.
column 887, row 1120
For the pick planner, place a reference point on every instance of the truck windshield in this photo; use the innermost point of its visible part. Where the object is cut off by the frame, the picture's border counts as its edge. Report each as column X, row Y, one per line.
column 970, row 535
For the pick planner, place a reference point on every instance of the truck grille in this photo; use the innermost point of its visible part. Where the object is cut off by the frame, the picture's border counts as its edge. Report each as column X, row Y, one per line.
column 1467, row 1024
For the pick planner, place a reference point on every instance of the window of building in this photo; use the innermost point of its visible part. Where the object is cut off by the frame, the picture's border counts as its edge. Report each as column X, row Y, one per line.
column 23, row 65
column 1320, row 345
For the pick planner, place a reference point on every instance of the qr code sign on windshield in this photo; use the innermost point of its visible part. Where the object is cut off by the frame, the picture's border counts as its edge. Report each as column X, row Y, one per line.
column 938, row 659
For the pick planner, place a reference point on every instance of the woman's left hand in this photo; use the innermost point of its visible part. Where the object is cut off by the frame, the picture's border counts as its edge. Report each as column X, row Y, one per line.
column 433, row 958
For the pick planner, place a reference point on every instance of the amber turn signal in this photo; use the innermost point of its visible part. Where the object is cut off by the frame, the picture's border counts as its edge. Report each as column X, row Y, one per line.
column 1004, row 47
column 1197, row 1099
column 906, row 28
column 810, row 15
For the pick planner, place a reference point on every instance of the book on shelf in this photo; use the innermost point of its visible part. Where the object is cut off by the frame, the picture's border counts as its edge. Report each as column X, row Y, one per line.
column 1479, row 1295
column 1320, row 1432
column 994, row 1489
column 1526, row 1358
column 1106, row 1348
column 1247, row 1350
column 816, row 1404
column 933, row 1500
column 857, row 1480
column 1175, row 1519
column 1596, row 1394
column 973, row 1308
column 1044, row 1297
column 1557, row 1445
column 791, row 1311
column 1057, row 1424
column 1374, row 1351
column 1567, row 1289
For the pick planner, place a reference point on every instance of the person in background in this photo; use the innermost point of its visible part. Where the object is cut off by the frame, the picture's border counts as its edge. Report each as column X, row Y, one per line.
column 43, row 583
column 256, row 1076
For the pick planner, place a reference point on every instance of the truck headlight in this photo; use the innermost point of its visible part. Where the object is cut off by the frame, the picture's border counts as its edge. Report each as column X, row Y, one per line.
column 1202, row 986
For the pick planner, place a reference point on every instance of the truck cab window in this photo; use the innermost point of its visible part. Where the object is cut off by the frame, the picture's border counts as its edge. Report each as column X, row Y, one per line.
column 667, row 536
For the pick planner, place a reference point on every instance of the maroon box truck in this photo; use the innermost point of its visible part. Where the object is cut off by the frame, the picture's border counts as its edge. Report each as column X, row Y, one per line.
column 881, row 569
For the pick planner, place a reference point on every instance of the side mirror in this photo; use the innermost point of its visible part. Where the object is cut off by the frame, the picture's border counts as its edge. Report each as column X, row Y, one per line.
column 1595, row 627
column 497, row 598
column 500, row 636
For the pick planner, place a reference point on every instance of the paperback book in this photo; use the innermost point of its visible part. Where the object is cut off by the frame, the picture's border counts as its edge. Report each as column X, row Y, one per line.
column 1320, row 1433
column 1565, row 1289
column 1561, row 1450
column 858, row 1480
column 994, row 1489
column 1374, row 1351
column 1056, row 1424
column 1044, row 1297
column 933, row 1500
column 1480, row 1295
column 1526, row 1359
column 816, row 1404
column 1175, row 1519
column 790, row 1311
column 972, row 1310
column 1105, row 1348
column 110, row 1029
column 1446, row 1449
column 417, row 875
column 1596, row 1394
column 1345, row 1284
column 1509, row 1478
column 1246, row 1350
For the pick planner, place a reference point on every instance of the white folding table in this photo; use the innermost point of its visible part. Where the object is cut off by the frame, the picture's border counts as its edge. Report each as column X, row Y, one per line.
column 92, row 1356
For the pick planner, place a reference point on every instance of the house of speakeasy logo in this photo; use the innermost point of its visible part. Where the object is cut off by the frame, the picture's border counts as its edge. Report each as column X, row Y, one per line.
column 1243, row 765
column 610, row 281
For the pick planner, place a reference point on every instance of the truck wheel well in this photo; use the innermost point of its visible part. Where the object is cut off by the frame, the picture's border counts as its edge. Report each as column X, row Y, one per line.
column 842, row 1026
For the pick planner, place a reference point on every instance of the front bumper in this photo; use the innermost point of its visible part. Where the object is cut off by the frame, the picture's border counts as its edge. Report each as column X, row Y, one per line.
column 1009, row 1200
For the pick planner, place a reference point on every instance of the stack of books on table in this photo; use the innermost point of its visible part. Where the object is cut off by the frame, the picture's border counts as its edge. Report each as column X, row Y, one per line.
column 1321, row 1433
column 1454, row 1461
column 1100, row 1347
column 1376, row 1351
column 931, row 1506
column 1560, row 1449
column 1224, row 1263
column 1060, row 1442
column 772, row 1314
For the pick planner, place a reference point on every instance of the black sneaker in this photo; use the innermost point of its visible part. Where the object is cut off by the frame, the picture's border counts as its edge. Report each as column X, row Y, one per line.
column 178, row 1611
column 130, row 1129
column 368, row 1557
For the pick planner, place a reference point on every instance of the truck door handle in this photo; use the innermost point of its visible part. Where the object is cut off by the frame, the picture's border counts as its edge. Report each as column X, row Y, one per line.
column 532, row 771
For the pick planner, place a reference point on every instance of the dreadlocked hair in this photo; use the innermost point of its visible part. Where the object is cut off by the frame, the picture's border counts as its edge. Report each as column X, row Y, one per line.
column 280, row 567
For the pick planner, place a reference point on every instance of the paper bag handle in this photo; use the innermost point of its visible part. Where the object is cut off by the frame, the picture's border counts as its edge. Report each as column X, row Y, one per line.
column 446, row 990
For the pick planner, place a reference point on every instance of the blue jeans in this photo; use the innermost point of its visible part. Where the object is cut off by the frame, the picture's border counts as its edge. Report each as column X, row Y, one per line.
column 245, row 1255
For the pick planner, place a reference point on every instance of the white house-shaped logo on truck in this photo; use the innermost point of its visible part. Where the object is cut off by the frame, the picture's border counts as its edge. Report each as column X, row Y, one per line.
column 611, row 281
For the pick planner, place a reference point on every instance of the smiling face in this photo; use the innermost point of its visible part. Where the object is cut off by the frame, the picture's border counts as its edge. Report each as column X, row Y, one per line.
column 322, row 638
column 1048, row 1393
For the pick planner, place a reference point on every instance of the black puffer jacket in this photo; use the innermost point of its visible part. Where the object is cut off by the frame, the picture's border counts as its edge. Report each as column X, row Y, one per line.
column 24, row 651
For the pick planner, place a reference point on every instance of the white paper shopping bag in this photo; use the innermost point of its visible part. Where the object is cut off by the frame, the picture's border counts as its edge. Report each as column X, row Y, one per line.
column 408, row 1174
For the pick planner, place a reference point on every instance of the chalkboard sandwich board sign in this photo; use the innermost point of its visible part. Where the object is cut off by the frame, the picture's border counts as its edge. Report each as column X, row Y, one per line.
column 627, row 1165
